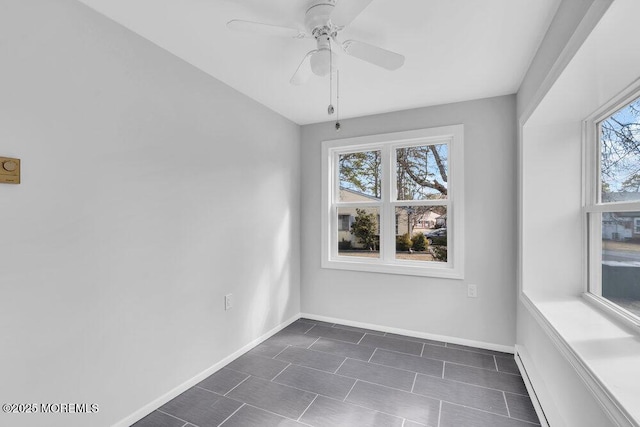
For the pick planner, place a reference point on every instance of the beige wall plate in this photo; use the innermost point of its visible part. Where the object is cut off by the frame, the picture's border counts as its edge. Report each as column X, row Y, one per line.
column 9, row 170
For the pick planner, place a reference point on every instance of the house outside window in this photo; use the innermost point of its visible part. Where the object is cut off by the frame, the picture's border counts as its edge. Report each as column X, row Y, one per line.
column 613, row 207
column 403, row 195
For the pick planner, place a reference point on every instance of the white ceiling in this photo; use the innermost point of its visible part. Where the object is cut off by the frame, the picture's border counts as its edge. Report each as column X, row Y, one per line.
column 455, row 50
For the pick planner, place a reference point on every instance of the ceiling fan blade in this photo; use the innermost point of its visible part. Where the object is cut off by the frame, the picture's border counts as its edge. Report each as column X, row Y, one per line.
column 346, row 11
column 373, row 54
column 302, row 74
column 265, row 29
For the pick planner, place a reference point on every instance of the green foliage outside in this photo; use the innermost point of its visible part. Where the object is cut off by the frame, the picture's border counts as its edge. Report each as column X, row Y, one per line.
column 440, row 253
column 365, row 229
column 403, row 243
column 419, row 242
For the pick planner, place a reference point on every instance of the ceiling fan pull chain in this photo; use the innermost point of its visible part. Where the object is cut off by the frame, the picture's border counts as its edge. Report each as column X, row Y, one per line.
column 330, row 109
column 337, row 100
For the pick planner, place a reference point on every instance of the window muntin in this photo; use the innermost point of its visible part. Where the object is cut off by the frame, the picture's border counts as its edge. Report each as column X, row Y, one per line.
column 408, row 177
column 613, row 209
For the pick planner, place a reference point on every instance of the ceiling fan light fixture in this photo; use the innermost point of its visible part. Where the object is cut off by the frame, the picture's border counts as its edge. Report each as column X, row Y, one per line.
column 321, row 62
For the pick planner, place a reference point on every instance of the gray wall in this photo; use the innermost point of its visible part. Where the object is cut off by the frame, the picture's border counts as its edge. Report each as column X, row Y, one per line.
column 429, row 305
column 149, row 191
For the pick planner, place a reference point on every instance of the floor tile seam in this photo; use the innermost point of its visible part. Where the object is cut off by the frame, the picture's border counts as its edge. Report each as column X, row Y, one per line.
column 479, row 386
column 331, row 338
column 358, row 330
column 415, row 377
column 493, row 356
column 400, row 369
column 372, row 354
column 369, row 382
column 422, row 349
column 308, row 348
column 274, row 357
column 439, row 414
column 309, row 391
column 343, row 342
column 350, row 390
column 274, row 413
column 468, row 366
column 234, row 412
column 248, row 376
column 307, row 408
column 495, row 361
column 289, row 364
column 310, row 328
column 361, row 338
column 504, row 396
column 365, row 407
column 489, row 412
column 338, row 368
column 311, row 345
column 388, row 366
column 173, row 416
column 359, row 379
column 453, row 403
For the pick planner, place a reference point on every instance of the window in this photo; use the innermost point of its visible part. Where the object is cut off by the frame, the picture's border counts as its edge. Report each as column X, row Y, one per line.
column 343, row 222
column 613, row 208
column 402, row 195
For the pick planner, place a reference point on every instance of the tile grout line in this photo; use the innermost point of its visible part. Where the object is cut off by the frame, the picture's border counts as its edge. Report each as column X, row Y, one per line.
column 361, row 338
column 248, row 376
column 371, row 357
column 439, row 413
column 400, row 369
column 336, row 371
column 273, row 413
column 443, row 367
column 489, row 412
column 422, row 350
column 281, row 351
column 317, row 339
column 504, row 395
column 172, row 416
column 232, row 414
column 414, row 382
column 364, row 407
column 350, row 390
column 495, row 361
column 280, row 372
column 308, row 406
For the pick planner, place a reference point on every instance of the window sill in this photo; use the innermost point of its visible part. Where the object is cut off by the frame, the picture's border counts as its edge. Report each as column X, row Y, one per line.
column 603, row 351
column 401, row 269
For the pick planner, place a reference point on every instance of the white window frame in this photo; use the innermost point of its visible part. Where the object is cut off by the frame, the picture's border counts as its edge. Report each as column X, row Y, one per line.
column 593, row 208
column 454, row 267
column 636, row 225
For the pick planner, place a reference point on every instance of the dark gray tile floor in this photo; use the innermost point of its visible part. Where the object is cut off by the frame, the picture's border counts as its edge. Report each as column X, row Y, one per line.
column 324, row 375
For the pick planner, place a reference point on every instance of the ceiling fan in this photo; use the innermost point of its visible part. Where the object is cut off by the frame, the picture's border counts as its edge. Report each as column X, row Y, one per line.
column 324, row 20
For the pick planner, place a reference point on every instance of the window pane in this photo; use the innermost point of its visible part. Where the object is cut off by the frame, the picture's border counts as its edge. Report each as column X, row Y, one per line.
column 360, row 175
column 621, row 259
column 620, row 154
column 422, row 172
column 421, row 233
column 361, row 236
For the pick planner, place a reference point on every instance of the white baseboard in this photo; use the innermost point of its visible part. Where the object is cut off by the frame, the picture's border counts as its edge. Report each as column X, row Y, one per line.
column 416, row 334
column 527, row 370
column 155, row 404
